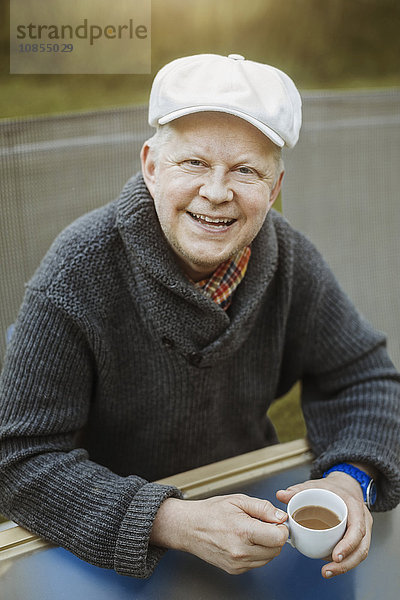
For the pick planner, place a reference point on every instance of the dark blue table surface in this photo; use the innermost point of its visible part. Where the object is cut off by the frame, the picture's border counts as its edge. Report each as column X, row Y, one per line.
column 55, row 574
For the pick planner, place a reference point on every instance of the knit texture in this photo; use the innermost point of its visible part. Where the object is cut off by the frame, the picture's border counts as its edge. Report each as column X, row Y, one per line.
column 121, row 372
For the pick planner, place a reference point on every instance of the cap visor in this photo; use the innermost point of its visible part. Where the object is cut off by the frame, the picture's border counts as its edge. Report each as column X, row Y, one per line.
column 176, row 114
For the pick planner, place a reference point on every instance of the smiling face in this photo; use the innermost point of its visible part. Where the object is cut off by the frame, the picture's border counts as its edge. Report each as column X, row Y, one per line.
column 213, row 181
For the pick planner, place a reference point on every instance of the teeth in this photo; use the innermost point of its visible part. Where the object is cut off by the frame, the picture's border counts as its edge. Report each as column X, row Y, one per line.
column 209, row 220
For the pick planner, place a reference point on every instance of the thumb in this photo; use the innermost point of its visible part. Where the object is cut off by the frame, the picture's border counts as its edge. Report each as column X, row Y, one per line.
column 264, row 511
column 286, row 495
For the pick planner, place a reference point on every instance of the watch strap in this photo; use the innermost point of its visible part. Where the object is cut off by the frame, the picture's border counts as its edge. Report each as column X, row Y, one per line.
column 365, row 480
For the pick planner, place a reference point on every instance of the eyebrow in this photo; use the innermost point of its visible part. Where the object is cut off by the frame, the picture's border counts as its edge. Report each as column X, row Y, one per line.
column 253, row 159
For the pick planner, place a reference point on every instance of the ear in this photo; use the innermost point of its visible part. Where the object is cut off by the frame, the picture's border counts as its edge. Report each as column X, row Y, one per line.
column 148, row 167
column 276, row 189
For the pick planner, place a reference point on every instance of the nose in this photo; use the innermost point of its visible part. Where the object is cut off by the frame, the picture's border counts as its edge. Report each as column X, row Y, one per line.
column 215, row 187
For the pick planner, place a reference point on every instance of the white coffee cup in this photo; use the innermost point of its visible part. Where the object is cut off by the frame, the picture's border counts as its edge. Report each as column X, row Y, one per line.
column 316, row 543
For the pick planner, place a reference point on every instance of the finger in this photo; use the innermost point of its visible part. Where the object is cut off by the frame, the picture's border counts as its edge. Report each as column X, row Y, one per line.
column 262, row 542
column 268, row 535
column 286, row 495
column 263, row 510
column 343, row 562
column 359, row 527
column 247, row 567
column 333, row 569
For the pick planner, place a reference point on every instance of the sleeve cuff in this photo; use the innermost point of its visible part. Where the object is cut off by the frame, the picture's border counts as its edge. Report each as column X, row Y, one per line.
column 134, row 555
column 388, row 483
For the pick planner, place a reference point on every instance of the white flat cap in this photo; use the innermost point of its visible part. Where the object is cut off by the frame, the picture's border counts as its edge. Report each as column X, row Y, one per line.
column 262, row 95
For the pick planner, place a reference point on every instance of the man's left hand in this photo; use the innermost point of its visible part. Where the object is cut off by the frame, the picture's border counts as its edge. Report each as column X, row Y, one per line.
column 354, row 546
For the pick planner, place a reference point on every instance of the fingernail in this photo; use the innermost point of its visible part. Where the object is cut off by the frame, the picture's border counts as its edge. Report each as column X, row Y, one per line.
column 340, row 557
column 279, row 514
column 328, row 574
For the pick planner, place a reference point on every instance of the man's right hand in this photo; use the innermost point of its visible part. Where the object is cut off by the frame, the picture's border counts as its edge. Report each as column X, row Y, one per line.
column 235, row 532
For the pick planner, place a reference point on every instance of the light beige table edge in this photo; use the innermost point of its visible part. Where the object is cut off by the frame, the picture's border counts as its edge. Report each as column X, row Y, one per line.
column 196, row 483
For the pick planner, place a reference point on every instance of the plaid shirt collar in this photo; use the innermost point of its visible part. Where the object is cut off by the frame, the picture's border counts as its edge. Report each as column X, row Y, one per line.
column 225, row 279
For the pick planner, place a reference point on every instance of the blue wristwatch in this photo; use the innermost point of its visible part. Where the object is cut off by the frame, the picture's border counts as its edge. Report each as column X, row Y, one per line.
column 367, row 483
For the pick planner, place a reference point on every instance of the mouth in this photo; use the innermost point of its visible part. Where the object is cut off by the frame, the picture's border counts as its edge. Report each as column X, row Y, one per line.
column 217, row 222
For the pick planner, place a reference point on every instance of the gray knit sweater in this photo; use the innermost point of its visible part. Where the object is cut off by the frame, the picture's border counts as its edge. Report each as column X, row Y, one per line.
column 121, row 372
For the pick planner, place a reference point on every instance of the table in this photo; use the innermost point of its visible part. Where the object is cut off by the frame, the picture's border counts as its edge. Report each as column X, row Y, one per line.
column 29, row 570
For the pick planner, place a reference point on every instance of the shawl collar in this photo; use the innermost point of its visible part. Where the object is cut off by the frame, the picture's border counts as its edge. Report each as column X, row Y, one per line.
column 175, row 309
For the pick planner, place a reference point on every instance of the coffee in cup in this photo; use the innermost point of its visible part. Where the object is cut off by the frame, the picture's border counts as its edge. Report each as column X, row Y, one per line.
column 316, row 517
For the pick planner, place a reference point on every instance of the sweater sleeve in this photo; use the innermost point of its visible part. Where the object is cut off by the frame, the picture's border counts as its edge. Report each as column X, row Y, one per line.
column 351, row 390
column 47, row 483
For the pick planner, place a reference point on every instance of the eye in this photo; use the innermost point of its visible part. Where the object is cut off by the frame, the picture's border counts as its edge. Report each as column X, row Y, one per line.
column 245, row 170
column 193, row 162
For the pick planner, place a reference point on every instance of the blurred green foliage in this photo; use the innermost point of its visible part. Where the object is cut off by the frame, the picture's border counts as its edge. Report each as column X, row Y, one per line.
column 320, row 43
column 287, row 417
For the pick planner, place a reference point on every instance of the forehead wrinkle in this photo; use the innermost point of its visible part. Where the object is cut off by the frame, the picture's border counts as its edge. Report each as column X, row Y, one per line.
column 221, row 120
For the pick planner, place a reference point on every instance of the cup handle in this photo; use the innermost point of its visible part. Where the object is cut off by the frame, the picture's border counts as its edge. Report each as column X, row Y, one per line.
column 289, row 541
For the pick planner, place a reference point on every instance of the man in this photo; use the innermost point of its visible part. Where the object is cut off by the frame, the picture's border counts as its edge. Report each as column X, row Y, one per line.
column 158, row 330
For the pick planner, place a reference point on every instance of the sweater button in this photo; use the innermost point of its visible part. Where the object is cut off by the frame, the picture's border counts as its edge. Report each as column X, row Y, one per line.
column 195, row 359
column 167, row 342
